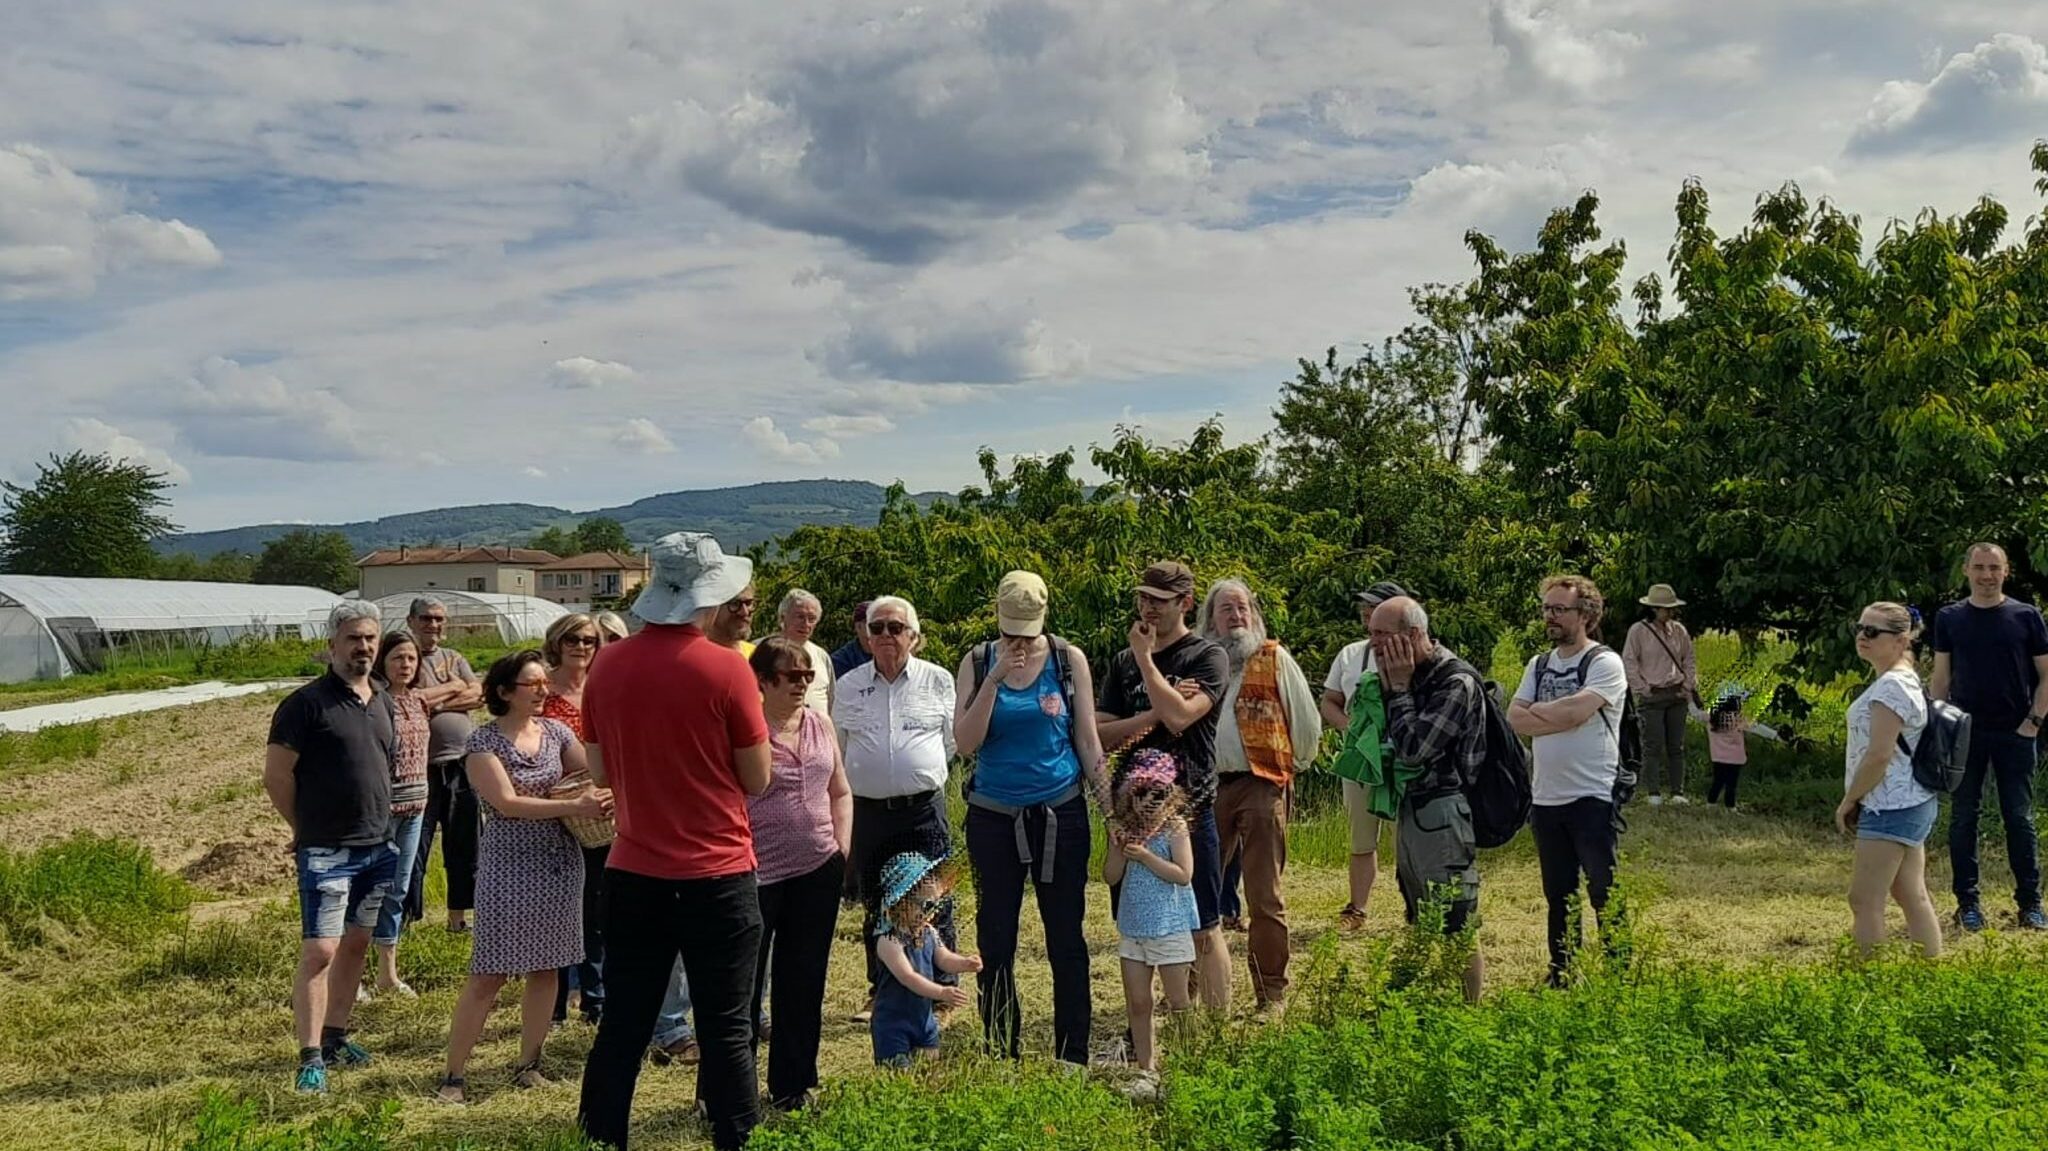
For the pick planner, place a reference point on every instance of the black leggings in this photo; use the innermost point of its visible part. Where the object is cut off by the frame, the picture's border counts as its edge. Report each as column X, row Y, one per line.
column 1722, row 790
column 450, row 802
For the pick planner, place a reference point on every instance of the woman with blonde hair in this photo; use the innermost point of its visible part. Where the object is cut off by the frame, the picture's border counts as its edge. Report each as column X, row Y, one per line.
column 1889, row 811
column 570, row 647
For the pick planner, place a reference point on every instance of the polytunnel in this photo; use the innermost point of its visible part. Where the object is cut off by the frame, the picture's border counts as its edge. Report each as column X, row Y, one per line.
column 511, row 618
column 53, row 626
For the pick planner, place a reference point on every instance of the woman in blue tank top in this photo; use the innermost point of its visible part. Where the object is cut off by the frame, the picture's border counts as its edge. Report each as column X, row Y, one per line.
column 1024, row 711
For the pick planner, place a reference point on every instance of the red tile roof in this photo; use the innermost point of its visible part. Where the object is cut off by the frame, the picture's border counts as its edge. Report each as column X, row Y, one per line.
column 521, row 557
column 596, row 561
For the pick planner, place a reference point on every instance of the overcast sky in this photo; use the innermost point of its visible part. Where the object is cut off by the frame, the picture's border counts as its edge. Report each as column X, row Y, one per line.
column 332, row 261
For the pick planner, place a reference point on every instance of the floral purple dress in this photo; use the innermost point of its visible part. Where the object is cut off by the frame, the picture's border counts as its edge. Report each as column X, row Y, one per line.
column 529, row 872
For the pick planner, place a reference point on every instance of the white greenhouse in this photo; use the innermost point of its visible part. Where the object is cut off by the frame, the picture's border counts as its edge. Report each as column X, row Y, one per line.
column 52, row 626
column 511, row 618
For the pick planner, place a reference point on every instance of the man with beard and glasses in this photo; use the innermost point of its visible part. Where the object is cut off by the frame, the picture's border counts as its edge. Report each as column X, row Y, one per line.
column 1267, row 729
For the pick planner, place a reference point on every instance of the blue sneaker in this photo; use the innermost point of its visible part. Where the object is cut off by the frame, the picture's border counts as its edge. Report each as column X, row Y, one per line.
column 345, row 1052
column 312, row 1079
column 2034, row 919
column 1970, row 917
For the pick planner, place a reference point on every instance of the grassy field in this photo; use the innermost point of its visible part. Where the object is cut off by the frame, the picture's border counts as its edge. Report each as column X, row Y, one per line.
column 113, row 1038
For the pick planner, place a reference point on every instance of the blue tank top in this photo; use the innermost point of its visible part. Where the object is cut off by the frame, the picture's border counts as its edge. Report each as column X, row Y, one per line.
column 1028, row 757
column 1150, row 907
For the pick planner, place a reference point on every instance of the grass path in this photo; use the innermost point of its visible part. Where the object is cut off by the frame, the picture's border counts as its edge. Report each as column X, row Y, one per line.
column 105, row 1047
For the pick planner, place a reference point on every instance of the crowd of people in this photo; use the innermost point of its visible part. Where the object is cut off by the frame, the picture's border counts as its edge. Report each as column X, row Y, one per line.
column 741, row 790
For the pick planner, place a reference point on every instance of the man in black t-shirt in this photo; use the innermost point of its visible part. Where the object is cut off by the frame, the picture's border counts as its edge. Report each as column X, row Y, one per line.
column 1162, row 692
column 1991, row 660
column 327, row 770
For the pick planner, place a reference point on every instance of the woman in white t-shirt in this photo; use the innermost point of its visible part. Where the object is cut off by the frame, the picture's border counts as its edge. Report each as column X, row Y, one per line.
column 1889, row 810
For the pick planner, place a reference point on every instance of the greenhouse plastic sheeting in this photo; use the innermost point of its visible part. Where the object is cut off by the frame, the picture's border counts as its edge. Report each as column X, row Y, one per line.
column 513, row 618
column 53, row 626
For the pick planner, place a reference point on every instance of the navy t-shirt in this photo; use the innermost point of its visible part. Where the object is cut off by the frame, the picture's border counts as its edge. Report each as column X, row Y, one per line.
column 1991, row 654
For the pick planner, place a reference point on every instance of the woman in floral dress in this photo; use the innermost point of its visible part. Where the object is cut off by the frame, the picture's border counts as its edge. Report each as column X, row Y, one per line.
column 529, row 884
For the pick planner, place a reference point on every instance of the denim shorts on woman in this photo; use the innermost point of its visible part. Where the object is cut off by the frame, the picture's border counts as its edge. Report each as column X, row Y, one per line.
column 1904, row 825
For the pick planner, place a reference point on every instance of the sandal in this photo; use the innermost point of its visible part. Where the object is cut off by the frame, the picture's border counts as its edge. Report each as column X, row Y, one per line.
column 451, row 1091
column 528, row 1075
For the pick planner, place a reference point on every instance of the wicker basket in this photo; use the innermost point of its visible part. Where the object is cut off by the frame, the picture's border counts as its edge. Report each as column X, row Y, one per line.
column 590, row 831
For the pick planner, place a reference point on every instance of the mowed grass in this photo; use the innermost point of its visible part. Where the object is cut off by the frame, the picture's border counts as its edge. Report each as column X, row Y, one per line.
column 114, row 1040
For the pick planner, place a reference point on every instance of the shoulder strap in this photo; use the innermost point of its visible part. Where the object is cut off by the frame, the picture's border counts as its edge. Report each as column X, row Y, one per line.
column 1652, row 629
column 1062, row 651
column 984, row 655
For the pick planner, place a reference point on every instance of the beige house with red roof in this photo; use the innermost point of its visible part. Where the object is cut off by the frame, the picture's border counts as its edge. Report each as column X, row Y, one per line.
column 506, row 570
column 582, row 579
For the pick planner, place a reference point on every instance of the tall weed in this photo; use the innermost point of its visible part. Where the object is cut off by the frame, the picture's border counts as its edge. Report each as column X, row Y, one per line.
column 29, row 752
column 105, row 885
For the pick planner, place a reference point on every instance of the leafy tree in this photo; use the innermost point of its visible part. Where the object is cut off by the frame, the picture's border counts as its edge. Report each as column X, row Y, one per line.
column 599, row 534
column 306, row 558
column 554, row 540
column 86, row 515
column 1813, row 429
column 221, row 567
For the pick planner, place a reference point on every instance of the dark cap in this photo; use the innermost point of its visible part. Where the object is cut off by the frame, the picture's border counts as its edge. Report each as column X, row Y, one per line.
column 1167, row 579
column 1381, row 592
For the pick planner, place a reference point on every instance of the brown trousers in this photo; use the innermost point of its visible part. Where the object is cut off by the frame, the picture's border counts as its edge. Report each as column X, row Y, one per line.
column 1251, row 819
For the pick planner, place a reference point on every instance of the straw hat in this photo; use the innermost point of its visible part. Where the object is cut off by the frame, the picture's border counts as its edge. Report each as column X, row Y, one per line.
column 1661, row 595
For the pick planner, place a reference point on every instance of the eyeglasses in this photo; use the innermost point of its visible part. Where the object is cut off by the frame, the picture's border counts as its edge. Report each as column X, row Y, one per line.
column 797, row 675
column 888, row 627
column 1551, row 609
column 742, row 606
column 432, row 618
column 580, row 641
column 1865, row 631
column 530, row 683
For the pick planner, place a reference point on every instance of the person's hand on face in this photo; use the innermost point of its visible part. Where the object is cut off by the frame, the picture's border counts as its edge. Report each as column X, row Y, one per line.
column 1396, row 660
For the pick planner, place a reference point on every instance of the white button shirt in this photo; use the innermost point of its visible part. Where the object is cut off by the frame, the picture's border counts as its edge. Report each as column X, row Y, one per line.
column 897, row 737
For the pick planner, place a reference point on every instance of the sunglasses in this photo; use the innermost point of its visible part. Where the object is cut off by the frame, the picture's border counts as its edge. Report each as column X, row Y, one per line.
column 580, row 641
column 888, row 627
column 1143, row 793
column 1865, row 631
column 797, row 675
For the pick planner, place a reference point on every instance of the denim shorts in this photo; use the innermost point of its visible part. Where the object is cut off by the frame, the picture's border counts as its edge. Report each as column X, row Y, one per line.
column 343, row 887
column 1905, row 825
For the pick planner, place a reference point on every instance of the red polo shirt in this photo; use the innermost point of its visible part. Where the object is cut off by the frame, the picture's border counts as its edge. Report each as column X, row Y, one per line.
column 667, row 707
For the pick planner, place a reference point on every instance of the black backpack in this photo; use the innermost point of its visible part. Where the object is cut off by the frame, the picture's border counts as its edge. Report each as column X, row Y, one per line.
column 985, row 654
column 1944, row 748
column 1500, row 790
column 1629, row 739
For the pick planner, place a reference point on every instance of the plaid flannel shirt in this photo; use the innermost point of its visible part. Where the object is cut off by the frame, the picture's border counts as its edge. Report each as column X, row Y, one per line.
column 1436, row 725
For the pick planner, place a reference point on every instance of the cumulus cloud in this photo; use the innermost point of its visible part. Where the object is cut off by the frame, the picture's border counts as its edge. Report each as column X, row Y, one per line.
column 638, row 436
column 1996, row 90
column 584, row 372
column 904, row 137
column 1546, row 42
column 533, row 473
column 919, row 341
column 848, row 427
column 227, row 409
column 89, row 435
column 773, row 443
column 60, row 232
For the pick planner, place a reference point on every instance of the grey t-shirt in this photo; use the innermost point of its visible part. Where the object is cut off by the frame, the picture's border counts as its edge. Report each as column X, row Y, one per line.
column 448, row 731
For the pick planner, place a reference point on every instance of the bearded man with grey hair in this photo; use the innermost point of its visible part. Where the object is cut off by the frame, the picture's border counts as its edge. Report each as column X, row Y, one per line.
column 1267, row 729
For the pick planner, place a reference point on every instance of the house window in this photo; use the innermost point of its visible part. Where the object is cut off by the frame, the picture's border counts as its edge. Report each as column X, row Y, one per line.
column 576, row 579
column 608, row 583
column 476, row 583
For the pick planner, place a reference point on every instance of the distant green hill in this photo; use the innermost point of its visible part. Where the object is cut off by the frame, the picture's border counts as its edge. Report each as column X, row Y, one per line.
column 739, row 517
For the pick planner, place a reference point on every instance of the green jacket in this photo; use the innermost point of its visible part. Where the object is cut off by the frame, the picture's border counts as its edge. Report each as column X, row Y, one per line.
column 1367, row 753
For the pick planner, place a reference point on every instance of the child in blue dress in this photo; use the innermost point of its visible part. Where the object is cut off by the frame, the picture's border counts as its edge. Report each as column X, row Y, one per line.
column 905, row 1021
column 1151, row 855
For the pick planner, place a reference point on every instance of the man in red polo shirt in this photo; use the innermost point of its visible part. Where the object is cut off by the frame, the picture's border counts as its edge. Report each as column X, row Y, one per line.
column 677, row 734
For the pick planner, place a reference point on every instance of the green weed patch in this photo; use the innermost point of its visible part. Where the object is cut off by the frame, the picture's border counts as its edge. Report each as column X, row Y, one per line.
column 87, row 882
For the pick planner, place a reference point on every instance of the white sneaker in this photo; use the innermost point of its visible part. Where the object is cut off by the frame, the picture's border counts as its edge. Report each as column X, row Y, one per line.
column 1656, row 801
column 1679, row 801
column 1144, row 1088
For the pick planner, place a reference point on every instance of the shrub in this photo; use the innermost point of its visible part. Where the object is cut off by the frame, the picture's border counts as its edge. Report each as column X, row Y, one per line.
column 24, row 752
column 108, row 885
